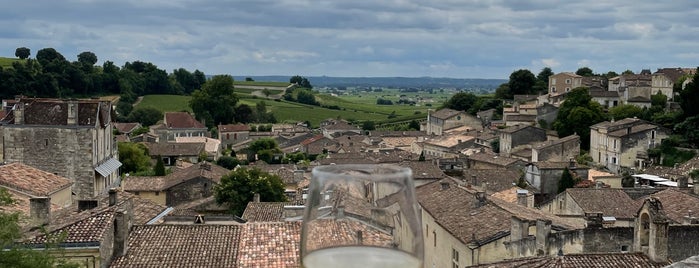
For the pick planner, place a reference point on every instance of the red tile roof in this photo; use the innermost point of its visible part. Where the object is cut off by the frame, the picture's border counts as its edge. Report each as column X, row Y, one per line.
column 269, row 244
column 181, row 120
column 181, row 246
column 265, row 211
column 30, row 180
column 610, row 202
column 233, row 128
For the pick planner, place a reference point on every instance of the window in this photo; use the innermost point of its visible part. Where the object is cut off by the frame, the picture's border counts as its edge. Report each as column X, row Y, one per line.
column 434, row 238
column 427, row 229
column 568, row 81
column 157, row 193
column 652, row 134
column 553, row 89
column 614, row 144
column 567, row 89
column 624, row 248
column 553, row 81
column 454, row 258
column 614, row 160
column 228, row 136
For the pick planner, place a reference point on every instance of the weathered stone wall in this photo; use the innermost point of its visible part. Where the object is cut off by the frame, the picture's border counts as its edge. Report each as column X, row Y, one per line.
column 527, row 136
column 683, row 241
column 560, row 152
column 67, row 152
column 608, row 239
column 190, row 190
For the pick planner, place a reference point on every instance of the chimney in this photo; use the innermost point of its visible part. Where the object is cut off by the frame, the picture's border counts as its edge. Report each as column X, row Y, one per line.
column 19, row 113
column 682, row 182
column 481, row 198
column 519, row 229
column 121, row 233
column 522, row 197
column 256, row 198
column 72, row 112
column 543, row 229
column 112, row 196
column 444, row 185
column 40, row 210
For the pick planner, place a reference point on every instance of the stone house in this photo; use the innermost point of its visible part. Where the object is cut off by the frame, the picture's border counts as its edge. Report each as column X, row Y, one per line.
column 331, row 127
column 635, row 86
column 664, row 79
column 464, row 227
column 179, row 124
column 564, row 82
column 232, row 134
column 93, row 231
column 608, row 99
column 545, row 175
column 182, row 186
column 446, row 146
column 423, row 171
column 559, row 150
column 318, row 144
column 616, row 206
column 126, row 128
column 490, row 180
column 70, row 138
column 520, row 119
column 514, row 137
column 483, row 160
column 624, row 143
column 31, row 182
column 444, row 119
column 172, row 152
column 212, row 147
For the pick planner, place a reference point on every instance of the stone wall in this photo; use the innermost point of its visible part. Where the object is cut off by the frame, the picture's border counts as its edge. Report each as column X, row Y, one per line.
column 559, row 152
column 613, row 239
column 190, row 190
column 683, row 241
column 67, row 152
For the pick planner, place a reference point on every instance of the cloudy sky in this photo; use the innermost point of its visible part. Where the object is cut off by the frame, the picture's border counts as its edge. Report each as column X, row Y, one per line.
column 411, row 38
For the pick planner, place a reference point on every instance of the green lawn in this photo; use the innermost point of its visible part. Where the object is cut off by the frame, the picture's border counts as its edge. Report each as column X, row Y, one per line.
column 7, row 62
column 166, row 103
column 358, row 109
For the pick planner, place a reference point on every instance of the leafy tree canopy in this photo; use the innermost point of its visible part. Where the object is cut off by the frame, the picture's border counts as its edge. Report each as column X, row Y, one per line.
column 584, row 71
column 301, row 81
column 625, row 111
column 133, row 157
column 461, row 101
column 522, row 82
column 577, row 113
column 215, row 102
column 238, row 188
column 22, row 52
column 147, row 116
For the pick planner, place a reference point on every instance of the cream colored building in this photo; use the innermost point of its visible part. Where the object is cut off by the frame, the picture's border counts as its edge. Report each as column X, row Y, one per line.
column 624, row 143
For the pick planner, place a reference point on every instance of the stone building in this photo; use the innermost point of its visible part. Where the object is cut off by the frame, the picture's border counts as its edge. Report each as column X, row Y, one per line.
column 616, row 206
column 440, row 121
column 182, row 186
column 545, row 175
column 232, row 134
column 624, row 143
column 559, row 150
column 513, row 137
column 179, row 124
column 70, row 138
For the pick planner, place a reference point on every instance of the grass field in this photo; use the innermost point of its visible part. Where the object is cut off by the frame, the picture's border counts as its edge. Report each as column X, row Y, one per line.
column 260, row 84
column 166, row 103
column 352, row 107
column 7, row 62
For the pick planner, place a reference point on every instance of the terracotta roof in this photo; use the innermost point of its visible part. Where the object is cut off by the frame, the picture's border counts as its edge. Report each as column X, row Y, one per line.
column 126, row 127
column 510, row 195
column 340, row 125
column 424, row 170
column 327, row 233
column 233, row 128
column 30, row 180
column 610, row 202
column 496, row 179
column 211, row 145
column 202, row 169
column 556, row 142
column 587, row 260
column 86, row 230
column 312, row 139
column 557, row 165
column 493, row 159
column 181, row 120
column 265, row 211
column 54, row 112
column 175, row 149
column 269, row 244
column 677, row 204
column 517, row 128
column 181, row 246
column 143, row 183
column 445, row 113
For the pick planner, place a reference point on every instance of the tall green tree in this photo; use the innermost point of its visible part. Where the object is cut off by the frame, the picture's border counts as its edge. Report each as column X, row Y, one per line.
column 215, row 101
column 584, row 71
column 265, row 149
column 625, row 111
column 237, row 189
column 133, row 157
column 522, row 82
column 22, row 53
column 159, row 168
column 301, row 81
column 577, row 113
column 542, row 80
column 461, row 101
column 147, row 116
column 689, row 97
column 567, row 181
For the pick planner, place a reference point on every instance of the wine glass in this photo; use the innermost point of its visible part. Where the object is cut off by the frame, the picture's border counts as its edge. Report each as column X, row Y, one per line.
column 361, row 216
